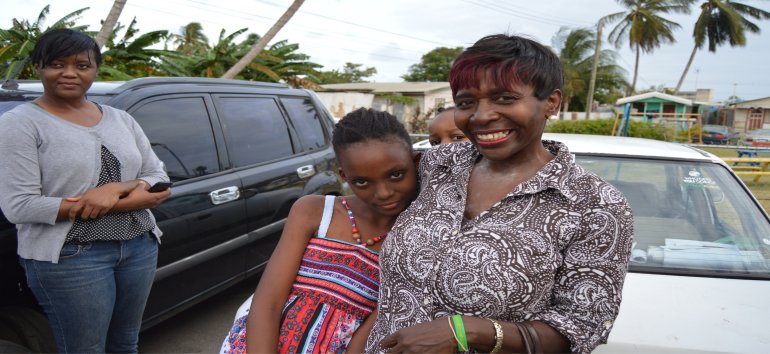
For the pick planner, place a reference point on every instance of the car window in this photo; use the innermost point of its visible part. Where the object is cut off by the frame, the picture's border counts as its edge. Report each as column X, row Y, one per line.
column 689, row 217
column 306, row 120
column 180, row 133
column 255, row 129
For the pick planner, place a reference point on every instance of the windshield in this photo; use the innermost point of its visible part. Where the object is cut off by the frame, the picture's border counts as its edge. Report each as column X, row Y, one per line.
column 689, row 217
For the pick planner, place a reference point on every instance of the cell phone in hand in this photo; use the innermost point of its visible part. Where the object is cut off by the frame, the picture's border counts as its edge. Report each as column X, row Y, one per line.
column 159, row 187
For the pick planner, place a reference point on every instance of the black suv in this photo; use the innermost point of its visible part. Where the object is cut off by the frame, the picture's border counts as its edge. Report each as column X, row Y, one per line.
column 239, row 153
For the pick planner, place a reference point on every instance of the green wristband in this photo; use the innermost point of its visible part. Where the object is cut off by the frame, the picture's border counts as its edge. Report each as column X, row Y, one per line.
column 462, row 341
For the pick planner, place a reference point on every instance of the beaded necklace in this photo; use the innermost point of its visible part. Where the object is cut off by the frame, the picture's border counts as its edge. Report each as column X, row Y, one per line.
column 357, row 236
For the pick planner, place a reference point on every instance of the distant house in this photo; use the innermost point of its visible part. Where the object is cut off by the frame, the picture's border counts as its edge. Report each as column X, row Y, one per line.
column 751, row 114
column 409, row 101
column 655, row 105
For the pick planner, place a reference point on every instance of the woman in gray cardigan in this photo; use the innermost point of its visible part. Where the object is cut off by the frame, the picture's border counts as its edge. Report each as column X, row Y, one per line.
column 74, row 178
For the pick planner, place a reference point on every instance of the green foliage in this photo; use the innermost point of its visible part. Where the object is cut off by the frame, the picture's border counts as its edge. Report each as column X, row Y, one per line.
column 16, row 43
column 129, row 57
column 604, row 127
column 723, row 22
column 642, row 25
column 351, row 72
column 576, row 49
column 280, row 62
column 405, row 100
column 435, row 65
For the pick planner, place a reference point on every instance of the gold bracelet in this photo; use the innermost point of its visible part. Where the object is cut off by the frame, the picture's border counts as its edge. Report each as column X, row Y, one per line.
column 498, row 336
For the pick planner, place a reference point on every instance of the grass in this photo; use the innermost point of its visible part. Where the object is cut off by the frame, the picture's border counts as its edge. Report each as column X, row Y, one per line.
column 761, row 189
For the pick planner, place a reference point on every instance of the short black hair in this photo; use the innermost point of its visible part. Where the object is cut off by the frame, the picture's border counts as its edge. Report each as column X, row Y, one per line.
column 365, row 124
column 508, row 60
column 63, row 42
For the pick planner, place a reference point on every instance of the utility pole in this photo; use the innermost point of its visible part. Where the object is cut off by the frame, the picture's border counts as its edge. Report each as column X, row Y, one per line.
column 592, row 83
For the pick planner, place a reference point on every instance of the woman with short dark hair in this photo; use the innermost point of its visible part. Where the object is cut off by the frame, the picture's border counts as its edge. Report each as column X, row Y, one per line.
column 510, row 246
column 74, row 178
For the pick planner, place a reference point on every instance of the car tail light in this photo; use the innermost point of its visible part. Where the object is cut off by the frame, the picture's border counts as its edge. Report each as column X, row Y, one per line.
column 749, row 139
column 719, row 136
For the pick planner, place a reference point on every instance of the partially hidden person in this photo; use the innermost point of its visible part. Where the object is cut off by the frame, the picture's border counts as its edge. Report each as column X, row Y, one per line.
column 442, row 128
column 74, row 178
column 319, row 291
column 509, row 246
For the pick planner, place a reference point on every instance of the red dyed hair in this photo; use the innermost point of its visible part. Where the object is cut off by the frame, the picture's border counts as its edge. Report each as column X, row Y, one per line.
column 508, row 61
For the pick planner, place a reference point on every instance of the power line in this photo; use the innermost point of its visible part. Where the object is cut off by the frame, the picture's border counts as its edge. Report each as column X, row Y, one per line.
column 359, row 25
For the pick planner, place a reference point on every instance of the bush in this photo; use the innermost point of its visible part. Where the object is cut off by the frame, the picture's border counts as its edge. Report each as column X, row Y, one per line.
column 604, row 127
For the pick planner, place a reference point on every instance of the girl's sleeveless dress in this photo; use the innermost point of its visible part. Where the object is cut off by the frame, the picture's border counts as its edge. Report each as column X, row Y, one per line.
column 336, row 289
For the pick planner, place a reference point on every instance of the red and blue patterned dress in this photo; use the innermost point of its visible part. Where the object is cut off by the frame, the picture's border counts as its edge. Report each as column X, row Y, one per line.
column 336, row 289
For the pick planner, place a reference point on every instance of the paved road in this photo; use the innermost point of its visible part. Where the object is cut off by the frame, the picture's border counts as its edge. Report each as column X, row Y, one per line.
column 200, row 329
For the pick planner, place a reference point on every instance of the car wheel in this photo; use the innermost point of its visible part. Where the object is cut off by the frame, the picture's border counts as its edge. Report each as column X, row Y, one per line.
column 25, row 328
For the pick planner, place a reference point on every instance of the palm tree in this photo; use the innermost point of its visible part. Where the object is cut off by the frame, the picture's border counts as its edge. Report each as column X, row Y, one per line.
column 17, row 42
column 110, row 22
column 291, row 66
column 263, row 41
column 643, row 26
column 576, row 48
column 191, row 39
column 131, row 57
column 720, row 22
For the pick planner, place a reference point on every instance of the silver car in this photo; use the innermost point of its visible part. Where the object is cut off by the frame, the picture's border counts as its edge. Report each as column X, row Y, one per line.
column 699, row 276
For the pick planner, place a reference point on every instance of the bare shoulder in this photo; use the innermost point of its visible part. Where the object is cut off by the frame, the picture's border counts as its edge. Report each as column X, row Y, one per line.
column 306, row 212
column 309, row 204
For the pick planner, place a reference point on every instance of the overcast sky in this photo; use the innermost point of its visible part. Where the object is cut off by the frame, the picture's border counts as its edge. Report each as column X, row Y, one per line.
column 391, row 35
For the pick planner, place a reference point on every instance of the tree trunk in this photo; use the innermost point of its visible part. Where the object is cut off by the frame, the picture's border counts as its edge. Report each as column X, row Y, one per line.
column 592, row 83
column 632, row 89
column 686, row 69
column 262, row 42
column 109, row 23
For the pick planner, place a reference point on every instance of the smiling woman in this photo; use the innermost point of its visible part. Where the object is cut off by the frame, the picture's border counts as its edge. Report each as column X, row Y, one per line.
column 510, row 246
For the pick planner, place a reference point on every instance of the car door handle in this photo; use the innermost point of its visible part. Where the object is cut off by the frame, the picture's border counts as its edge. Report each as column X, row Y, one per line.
column 224, row 195
column 306, row 171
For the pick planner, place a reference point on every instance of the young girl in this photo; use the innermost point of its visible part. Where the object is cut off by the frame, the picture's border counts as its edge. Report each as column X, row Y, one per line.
column 321, row 285
column 442, row 128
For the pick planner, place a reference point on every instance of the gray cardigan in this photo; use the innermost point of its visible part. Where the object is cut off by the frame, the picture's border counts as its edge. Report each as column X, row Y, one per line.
column 44, row 159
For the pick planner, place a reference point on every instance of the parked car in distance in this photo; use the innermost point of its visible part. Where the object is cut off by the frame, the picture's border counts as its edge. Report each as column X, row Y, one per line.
column 718, row 135
column 240, row 153
column 756, row 138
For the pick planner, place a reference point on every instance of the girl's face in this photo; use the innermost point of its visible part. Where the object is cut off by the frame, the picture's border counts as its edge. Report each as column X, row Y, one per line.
column 69, row 77
column 442, row 129
column 381, row 173
column 503, row 122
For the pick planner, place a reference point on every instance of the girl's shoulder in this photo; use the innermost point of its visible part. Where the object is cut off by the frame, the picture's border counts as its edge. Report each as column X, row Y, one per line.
column 308, row 209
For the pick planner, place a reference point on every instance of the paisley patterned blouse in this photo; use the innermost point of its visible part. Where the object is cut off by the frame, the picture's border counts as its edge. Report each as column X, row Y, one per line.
column 555, row 249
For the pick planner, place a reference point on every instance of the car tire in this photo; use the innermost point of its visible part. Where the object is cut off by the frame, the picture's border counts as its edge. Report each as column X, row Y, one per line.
column 25, row 328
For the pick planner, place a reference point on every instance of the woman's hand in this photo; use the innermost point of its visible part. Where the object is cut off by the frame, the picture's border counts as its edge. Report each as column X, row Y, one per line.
column 95, row 202
column 139, row 198
column 430, row 337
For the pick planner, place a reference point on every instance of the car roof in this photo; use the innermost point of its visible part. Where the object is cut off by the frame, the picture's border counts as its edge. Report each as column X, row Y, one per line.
column 627, row 146
column 115, row 87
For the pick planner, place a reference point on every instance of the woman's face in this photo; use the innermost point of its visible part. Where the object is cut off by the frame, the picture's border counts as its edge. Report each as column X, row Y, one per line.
column 503, row 122
column 69, row 77
column 381, row 173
